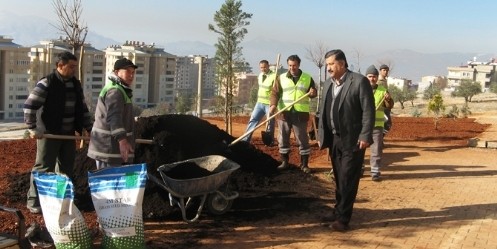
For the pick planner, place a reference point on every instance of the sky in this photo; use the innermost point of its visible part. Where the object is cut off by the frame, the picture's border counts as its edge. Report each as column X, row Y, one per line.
column 358, row 27
column 426, row 26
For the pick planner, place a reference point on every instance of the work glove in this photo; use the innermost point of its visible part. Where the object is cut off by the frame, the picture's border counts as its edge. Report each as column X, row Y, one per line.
column 35, row 133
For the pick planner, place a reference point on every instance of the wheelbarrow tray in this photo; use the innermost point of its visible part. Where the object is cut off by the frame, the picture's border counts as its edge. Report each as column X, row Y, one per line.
column 220, row 169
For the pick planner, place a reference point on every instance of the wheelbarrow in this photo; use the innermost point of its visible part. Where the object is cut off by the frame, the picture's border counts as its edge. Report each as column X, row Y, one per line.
column 198, row 177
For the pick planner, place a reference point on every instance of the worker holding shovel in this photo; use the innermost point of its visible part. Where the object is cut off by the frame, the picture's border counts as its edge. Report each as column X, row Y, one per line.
column 265, row 81
column 112, row 140
column 289, row 87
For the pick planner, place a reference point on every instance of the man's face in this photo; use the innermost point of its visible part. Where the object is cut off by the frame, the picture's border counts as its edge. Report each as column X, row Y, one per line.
column 335, row 68
column 384, row 72
column 67, row 70
column 127, row 75
column 264, row 67
column 293, row 67
column 373, row 78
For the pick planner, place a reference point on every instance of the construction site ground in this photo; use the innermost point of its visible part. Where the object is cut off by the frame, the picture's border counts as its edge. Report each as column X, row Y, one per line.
column 436, row 192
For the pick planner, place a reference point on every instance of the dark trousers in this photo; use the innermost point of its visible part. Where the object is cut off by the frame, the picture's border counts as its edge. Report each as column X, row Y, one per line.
column 52, row 155
column 347, row 166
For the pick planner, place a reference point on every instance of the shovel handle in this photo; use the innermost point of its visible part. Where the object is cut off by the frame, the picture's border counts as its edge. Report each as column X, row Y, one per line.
column 68, row 137
column 267, row 120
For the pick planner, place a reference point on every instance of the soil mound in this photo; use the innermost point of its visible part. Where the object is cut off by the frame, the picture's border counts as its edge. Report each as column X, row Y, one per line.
column 177, row 138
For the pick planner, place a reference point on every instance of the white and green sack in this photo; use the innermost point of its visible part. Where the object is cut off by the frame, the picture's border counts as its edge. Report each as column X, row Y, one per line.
column 62, row 218
column 117, row 194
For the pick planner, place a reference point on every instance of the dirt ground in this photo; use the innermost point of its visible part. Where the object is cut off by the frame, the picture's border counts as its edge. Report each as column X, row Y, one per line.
column 274, row 209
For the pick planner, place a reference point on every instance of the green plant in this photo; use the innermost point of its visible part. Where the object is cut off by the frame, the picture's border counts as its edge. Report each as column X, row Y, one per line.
column 436, row 105
column 453, row 112
column 416, row 113
column 465, row 110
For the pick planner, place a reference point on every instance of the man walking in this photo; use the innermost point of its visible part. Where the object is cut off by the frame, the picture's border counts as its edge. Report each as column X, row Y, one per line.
column 345, row 125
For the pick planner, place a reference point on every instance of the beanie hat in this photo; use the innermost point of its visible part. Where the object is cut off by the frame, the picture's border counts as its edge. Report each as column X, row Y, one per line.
column 383, row 66
column 372, row 70
column 123, row 63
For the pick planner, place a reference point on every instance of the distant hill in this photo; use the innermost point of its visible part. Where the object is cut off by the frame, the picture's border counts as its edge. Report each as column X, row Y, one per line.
column 405, row 63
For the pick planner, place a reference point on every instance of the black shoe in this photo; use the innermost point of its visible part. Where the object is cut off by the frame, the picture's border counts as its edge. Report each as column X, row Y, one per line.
column 339, row 226
column 376, row 178
column 329, row 218
column 34, row 210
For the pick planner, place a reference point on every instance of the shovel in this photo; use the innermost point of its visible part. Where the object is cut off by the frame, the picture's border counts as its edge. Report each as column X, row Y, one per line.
column 53, row 136
column 267, row 120
column 267, row 137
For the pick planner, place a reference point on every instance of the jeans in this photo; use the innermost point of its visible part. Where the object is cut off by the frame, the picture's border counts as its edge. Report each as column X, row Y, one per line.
column 260, row 110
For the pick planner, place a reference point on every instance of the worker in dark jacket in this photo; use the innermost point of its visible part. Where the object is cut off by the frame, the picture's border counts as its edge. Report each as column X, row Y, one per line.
column 56, row 106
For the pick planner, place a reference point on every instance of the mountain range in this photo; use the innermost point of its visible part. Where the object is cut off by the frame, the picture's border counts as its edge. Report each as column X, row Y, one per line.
column 404, row 63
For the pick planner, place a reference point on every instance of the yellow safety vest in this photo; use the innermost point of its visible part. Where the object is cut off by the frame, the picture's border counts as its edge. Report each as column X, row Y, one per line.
column 292, row 92
column 265, row 87
column 379, row 93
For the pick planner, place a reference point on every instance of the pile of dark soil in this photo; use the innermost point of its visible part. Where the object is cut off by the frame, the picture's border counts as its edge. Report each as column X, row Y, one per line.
column 177, row 138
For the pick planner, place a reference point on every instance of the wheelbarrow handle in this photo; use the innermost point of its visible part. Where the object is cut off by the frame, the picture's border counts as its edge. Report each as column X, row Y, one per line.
column 68, row 137
column 268, row 119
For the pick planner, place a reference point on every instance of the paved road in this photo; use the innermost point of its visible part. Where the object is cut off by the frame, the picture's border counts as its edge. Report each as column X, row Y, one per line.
column 431, row 197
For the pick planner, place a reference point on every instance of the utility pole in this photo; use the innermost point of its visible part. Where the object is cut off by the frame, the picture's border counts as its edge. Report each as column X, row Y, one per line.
column 200, row 61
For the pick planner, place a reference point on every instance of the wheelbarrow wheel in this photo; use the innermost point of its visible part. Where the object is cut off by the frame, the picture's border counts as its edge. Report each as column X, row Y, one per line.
column 217, row 204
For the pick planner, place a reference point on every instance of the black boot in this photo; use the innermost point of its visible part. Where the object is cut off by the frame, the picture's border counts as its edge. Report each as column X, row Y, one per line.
column 284, row 164
column 304, row 164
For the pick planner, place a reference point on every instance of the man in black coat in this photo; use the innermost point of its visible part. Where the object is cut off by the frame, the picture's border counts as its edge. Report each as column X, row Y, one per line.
column 345, row 127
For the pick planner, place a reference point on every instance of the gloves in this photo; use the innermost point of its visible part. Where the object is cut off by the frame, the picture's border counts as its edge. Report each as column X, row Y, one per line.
column 35, row 133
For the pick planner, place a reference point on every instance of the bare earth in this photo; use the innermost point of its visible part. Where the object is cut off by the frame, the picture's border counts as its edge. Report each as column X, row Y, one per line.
column 436, row 193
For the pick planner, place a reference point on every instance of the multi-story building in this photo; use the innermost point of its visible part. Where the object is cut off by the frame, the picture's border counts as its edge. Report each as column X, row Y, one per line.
column 245, row 83
column 154, row 77
column 482, row 72
column 187, row 77
column 43, row 58
column 14, row 78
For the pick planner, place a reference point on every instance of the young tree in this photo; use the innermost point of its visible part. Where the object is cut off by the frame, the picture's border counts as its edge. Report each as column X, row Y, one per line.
column 230, row 22
column 431, row 91
column 436, row 105
column 316, row 54
column 71, row 25
column 467, row 89
column 183, row 103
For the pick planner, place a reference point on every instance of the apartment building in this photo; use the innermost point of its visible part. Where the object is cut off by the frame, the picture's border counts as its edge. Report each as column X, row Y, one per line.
column 43, row 57
column 482, row 72
column 154, row 78
column 14, row 78
column 187, row 77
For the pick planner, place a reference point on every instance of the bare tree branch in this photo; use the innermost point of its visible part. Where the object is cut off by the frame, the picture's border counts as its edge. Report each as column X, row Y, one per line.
column 70, row 23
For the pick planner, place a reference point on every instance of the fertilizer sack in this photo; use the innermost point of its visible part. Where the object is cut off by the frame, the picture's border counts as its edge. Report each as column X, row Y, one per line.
column 63, row 219
column 117, row 194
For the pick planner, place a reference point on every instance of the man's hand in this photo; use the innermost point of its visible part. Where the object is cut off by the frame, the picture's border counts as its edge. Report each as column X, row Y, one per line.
column 35, row 133
column 272, row 110
column 312, row 92
column 125, row 148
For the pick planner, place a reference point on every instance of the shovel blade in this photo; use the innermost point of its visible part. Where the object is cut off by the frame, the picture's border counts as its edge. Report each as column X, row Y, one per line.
column 267, row 139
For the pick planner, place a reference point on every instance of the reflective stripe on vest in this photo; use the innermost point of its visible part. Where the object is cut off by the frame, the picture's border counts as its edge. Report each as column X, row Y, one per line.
column 111, row 85
column 265, row 87
column 292, row 92
column 380, row 113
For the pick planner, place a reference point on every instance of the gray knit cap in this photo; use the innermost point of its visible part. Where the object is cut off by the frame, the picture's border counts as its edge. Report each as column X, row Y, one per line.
column 372, row 70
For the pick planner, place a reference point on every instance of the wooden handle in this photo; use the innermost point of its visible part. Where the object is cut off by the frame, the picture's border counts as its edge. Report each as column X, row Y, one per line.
column 68, row 137
column 267, row 120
